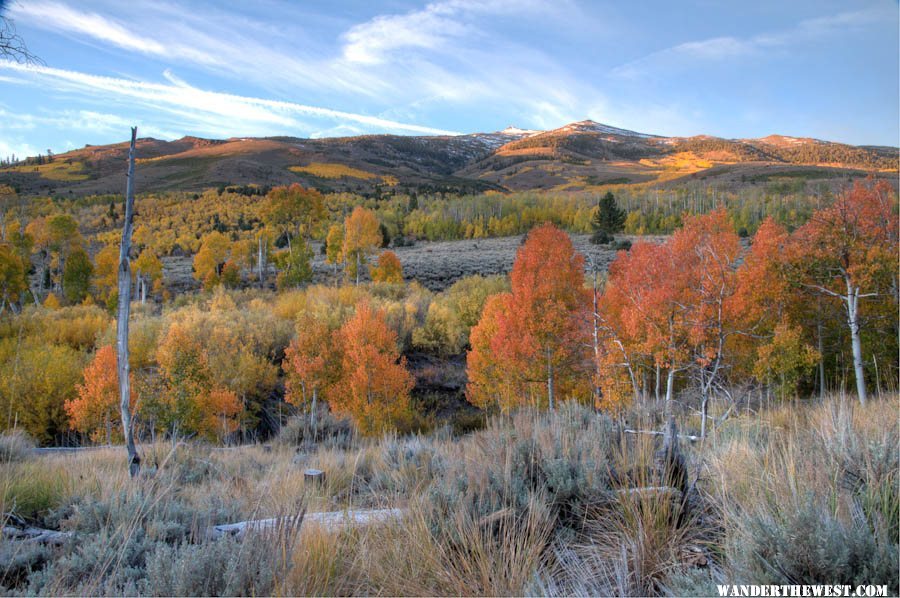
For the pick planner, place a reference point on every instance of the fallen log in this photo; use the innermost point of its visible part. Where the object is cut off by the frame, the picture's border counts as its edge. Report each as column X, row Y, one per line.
column 36, row 535
column 688, row 437
column 329, row 519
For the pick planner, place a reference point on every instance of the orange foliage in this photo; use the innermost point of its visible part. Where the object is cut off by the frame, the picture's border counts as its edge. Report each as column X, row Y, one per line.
column 855, row 240
column 487, row 387
column 309, row 362
column 389, row 268
column 538, row 344
column 374, row 384
column 95, row 410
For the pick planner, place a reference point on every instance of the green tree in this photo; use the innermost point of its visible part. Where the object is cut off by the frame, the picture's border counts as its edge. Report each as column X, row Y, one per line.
column 77, row 276
column 295, row 266
column 12, row 276
column 608, row 220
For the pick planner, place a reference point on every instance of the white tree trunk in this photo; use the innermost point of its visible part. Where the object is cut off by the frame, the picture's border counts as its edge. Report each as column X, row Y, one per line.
column 657, row 381
column 134, row 461
column 598, row 392
column 670, row 386
column 260, row 260
column 549, row 381
column 312, row 412
column 821, row 341
column 851, row 301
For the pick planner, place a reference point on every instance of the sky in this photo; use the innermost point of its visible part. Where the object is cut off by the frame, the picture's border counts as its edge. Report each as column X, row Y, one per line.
column 314, row 68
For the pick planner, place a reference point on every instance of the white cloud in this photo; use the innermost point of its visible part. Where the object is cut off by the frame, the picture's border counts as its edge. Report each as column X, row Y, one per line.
column 444, row 55
column 58, row 17
column 80, row 120
column 374, row 41
column 205, row 109
column 727, row 47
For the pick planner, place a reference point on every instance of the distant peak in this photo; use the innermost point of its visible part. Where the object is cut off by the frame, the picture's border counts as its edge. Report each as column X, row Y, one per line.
column 514, row 130
column 590, row 126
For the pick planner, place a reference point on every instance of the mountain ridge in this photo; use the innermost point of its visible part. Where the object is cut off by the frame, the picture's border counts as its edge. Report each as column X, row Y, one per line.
column 583, row 155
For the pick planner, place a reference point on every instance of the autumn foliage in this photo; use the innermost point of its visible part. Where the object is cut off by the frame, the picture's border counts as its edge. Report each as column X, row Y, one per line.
column 388, row 269
column 358, row 368
column 534, row 340
column 361, row 238
column 95, row 411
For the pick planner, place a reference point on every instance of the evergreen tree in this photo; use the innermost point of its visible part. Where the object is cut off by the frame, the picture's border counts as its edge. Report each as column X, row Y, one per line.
column 608, row 220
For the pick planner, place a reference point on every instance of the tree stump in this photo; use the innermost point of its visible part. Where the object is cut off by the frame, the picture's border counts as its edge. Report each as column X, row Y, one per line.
column 314, row 476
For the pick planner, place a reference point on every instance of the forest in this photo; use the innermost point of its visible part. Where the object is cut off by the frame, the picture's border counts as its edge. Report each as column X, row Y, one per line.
column 759, row 327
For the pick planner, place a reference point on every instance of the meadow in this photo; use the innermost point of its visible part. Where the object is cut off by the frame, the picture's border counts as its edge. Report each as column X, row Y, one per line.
column 561, row 503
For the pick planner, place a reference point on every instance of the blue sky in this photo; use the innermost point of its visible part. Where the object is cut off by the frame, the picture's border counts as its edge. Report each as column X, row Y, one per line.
column 816, row 68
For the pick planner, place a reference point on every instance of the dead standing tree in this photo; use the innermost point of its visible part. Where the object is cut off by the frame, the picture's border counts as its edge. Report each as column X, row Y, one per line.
column 134, row 461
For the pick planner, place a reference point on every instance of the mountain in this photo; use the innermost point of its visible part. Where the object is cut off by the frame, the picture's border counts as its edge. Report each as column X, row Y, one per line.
column 584, row 155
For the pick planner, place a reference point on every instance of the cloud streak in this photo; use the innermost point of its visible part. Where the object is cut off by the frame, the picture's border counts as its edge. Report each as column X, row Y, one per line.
column 209, row 107
column 728, row 47
column 396, row 63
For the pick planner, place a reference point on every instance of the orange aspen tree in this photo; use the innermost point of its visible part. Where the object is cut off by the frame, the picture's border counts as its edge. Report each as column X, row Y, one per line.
column 95, row 409
column 488, row 385
column 644, row 312
column 309, row 364
column 374, row 384
column 848, row 252
column 541, row 338
column 708, row 250
column 389, row 269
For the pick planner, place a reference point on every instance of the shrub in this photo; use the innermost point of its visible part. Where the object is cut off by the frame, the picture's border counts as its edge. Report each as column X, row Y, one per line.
column 331, row 431
column 562, row 457
column 225, row 567
column 16, row 445
column 601, row 237
column 808, row 544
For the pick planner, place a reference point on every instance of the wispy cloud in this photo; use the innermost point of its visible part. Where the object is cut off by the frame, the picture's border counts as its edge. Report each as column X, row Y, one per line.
column 427, row 29
column 79, row 120
column 210, row 110
column 438, row 55
column 728, row 47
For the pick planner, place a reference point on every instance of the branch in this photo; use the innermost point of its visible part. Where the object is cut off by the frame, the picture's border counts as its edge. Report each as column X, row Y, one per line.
column 689, row 437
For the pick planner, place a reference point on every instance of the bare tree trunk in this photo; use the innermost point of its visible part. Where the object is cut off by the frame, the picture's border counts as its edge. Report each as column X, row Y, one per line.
column 704, row 408
column 598, row 391
column 142, row 285
column 670, row 386
column 358, row 265
column 549, row 381
column 657, row 381
column 312, row 412
column 821, row 341
column 134, row 461
column 852, row 303
column 260, row 260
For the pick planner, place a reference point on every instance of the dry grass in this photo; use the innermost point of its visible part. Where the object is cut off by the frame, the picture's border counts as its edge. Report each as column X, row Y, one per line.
column 533, row 504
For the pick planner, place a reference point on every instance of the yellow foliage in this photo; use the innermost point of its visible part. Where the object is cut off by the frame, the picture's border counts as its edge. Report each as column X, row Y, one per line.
column 328, row 170
column 52, row 302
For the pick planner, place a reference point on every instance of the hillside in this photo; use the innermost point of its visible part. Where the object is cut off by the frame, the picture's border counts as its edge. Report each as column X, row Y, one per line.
column 579, row 156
